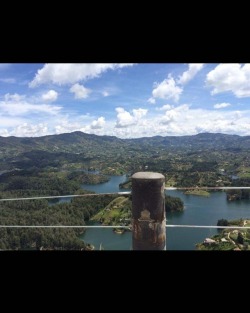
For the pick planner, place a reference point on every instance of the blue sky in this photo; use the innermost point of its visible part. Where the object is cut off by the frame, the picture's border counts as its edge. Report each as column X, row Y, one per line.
column 124, row 100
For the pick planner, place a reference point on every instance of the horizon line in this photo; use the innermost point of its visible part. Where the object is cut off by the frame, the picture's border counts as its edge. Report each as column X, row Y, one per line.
column 78, row 131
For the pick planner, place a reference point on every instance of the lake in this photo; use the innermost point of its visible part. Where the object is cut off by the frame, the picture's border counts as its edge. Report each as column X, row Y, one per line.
column 197, row 211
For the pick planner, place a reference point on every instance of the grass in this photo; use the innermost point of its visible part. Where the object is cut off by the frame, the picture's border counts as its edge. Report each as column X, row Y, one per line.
column 114, row 212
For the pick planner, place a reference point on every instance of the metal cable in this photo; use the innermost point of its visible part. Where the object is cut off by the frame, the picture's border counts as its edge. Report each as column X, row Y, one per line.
column 119, row 193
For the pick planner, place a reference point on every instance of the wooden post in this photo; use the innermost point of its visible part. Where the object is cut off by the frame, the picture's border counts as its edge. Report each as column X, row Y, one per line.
column 148, row 211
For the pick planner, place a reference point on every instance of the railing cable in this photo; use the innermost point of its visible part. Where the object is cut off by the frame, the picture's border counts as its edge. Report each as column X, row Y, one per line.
column 119, row 226
column 119, row 193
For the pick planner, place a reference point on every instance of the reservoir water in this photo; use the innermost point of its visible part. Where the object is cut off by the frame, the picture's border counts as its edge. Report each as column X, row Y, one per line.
column 198, row 211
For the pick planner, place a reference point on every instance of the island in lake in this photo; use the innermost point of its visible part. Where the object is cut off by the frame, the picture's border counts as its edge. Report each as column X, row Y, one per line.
column 197, row 192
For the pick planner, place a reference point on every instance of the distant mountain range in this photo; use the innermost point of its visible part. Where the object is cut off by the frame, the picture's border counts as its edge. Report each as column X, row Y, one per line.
column 79, row 142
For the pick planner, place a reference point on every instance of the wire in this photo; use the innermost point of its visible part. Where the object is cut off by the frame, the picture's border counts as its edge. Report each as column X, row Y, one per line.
column 67, row 196
column 209, row 226
column 119, row 193
column 209, row 188
column 62, row 226
column 118, row 226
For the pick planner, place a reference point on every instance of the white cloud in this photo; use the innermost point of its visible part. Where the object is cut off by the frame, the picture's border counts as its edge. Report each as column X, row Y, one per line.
column 15, row 97
column 165, row 107
column 8, row 80
column 30, row 130
column 61, row 74
column 237, row 114
column 193, row 69
column 61, row 129
column 170, row 88
column 172, row 114
column 80, row 91
column 167, row 89
column 51, row 95
column 169, row 117
column 9, row 121
column 16, row 105
column 221, row 105
column 99, row 123
column 233, row 78
column 105, row 93
column 139, row 113
column 151, row 100
column 4, row 132
column 125, row 119
column 19, row 109
column 178, row 121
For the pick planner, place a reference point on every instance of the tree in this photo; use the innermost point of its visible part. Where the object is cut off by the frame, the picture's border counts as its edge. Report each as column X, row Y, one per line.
column 222, row 222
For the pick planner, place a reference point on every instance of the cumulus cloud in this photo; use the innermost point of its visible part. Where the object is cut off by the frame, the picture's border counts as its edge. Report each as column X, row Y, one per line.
column 167, row 89
column 16, row 105
column 193, row 69
column 51, row 95
column 66, row 128
column 125, row 119
column 139, row 113
column 169, row 117
column 221, row 105
column 99, row 123
column 171, row 88
column 165, row 107
column 151, row 100
column 31, row 130
column 177, row 121
column 80, row 91
column 61, row 74
column 233, row 78
column 172, row 114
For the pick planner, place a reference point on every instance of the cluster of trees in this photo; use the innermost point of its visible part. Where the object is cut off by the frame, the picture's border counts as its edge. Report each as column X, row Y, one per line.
column 40, row 212
column 173, row 204
column 224, row 222
column 238, row 194
column 87, row 178
column 34, row 182
column 40, row 239
column 25, row 183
